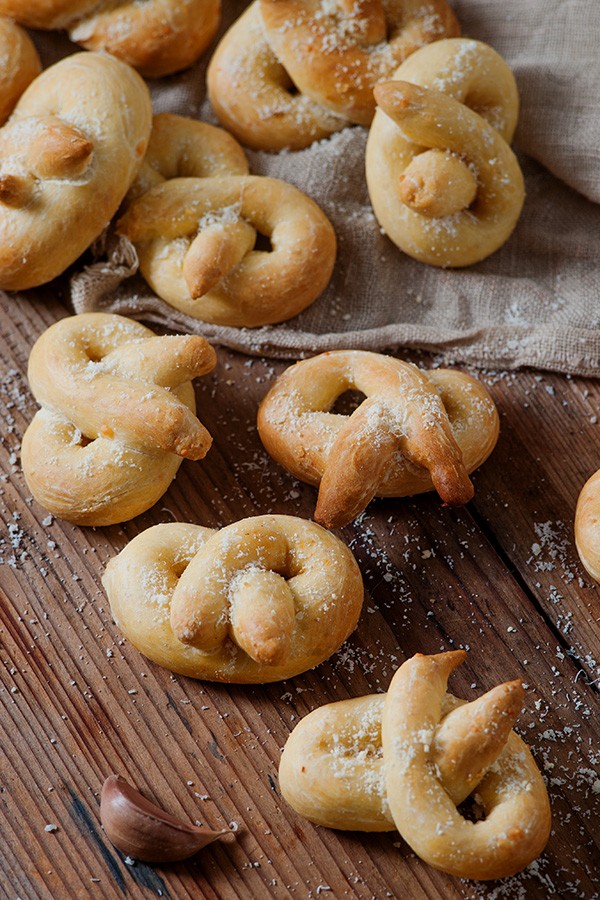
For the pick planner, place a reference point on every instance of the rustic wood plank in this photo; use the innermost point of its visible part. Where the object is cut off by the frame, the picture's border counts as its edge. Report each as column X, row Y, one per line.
column 78, row 702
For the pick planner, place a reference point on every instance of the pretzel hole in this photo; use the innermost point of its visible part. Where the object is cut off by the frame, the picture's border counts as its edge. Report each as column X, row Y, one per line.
column 263, row 243
column 472, row 809
column 347, row 402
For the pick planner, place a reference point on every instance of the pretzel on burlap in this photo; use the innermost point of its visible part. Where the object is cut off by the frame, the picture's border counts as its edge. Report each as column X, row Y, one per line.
column 587, row 525
column 19, row 65
column 194, row 216
column 290, row 72
column 117, row 418
column 409, row 758
column 157, row 37
column 414, row 431
column 68, row 155
column 260, row 600
column 444, row 183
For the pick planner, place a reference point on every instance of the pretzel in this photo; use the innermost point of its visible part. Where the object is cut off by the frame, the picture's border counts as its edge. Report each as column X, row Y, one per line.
column 260, row 600
column 290, row 72
column 195, row 239
column 409, row 758
column 117, row 417
column 587, row 525
column 68, row 155
column 157, row 37
column 19, row 65
column 444, row 184
column 414, row 431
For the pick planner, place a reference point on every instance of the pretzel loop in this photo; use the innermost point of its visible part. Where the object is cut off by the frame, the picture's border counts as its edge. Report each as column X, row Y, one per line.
column 260, row 600
column 587, row 525
column 117, row 418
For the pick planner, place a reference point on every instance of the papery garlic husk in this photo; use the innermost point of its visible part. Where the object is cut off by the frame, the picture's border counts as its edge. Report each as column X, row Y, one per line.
column 144, row 831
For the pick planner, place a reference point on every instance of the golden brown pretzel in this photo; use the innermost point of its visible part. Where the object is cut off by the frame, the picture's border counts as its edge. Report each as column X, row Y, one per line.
column 409, row 758
column 19, row 65
column 195, row 238
column 444, row 183
column 289, row 72
column 260, row 600
column 414, row 431
column 157, row 37
column 587, row 525
column 68, row 155
column 117, row 418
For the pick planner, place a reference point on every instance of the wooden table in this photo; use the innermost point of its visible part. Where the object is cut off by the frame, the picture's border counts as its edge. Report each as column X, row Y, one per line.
column 500, row 577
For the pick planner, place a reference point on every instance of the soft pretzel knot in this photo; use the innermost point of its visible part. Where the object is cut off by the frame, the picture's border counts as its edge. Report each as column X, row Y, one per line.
column 196, row 243
column 587, row 525
column 68, row 155
column 260, row 600
column 409, row 758
column 289, row 72
column 414, row 430
column 20, row 64
column 117, row 418
column 444, row 183
column 157, row 37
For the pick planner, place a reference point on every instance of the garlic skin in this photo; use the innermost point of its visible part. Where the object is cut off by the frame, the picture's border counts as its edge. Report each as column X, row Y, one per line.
column 146, row 832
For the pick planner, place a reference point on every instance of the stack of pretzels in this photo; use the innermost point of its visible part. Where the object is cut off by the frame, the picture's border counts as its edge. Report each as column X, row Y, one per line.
column 271, row 596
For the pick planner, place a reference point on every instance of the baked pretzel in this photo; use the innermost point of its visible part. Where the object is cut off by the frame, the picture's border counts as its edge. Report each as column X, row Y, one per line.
column 587, row 525
column 289, row 72
column 19, row 65
column 407, row 759
column 414, row 430
column 117, row 418
column 261, row 600
column 157, row 37
column 444, row 183
column 195, row 239
column 68, row 155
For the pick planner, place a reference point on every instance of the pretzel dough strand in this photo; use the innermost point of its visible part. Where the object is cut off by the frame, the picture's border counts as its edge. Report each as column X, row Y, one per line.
column 587, row 525
column 20, row 64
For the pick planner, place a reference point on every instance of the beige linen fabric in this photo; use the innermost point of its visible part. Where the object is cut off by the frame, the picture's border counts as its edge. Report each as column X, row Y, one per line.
column 534, row 302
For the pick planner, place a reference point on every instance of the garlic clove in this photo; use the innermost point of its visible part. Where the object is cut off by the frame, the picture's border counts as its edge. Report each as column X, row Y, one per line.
column 144, row 831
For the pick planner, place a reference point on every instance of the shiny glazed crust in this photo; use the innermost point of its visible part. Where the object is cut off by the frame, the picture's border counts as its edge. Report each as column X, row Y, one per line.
column 260, row 600
column 587, row 525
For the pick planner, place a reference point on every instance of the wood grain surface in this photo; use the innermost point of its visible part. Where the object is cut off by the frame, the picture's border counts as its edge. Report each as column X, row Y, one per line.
column 500, row 577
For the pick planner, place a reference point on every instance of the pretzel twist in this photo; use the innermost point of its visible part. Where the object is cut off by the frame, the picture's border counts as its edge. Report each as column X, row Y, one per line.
column 444, row 183
column 260, row 600
column 289, row 72
column 157, row 37
column 409, row 758
column 20, row 64
column 68, row 155
column 587, row 525
column 413, row 432
column 117, row 417
column 195, row 238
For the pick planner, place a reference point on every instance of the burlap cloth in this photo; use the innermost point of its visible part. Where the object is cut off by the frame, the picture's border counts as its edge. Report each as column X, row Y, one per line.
column 534, row 302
